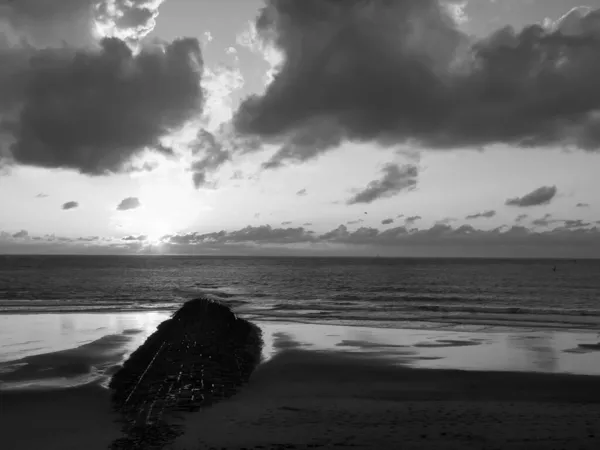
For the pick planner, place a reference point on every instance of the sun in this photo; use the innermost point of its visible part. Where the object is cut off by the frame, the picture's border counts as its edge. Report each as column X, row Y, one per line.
column 157, row 230
column 168, row 205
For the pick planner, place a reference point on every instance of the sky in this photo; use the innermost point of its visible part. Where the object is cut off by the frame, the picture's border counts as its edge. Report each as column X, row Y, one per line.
column 314, row 127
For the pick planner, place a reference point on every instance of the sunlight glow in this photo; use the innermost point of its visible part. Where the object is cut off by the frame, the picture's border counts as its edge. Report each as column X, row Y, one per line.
column 169, row 204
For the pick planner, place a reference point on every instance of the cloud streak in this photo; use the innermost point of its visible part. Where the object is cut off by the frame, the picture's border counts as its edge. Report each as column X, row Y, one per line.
column 540, row 196
column 483, row 215
column 394, row 180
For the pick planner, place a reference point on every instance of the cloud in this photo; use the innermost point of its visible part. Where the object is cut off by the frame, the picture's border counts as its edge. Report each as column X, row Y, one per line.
column 129, row 203
column 140, row 238
column 260, row 234
column 301, row 193
column 80, row 92
column 23, row 234
column 575, row 223
column 287, row 222
column 355, row 222
column 439, row 238
column 79, row 21
column 41, row 195
column 521, row 217
column 237, row 175
column 395, row 179
column 214, row 156
column 387, row 221
column 307, row 224
column 582, row 205
column 70, row 205
column 404, row 72
column 411, row 220
column 574, row 239
column 540, row 196
column 543, row 221
column 446, row 220
column 485, row 215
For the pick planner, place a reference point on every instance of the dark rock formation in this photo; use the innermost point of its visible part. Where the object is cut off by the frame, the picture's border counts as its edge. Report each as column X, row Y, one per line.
column 203, row 354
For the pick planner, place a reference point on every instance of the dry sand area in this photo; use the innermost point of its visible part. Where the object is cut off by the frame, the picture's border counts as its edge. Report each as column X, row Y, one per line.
column 302, row 399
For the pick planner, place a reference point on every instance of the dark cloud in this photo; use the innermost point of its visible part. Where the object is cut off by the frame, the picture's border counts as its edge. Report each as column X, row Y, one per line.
column 88, row 239
column 355, row 222
column 387, row 221
column 575, row 238
column 23, row 234
column 521, row 217
column 93, row 109
column 301, row 192
column 129, row 203
column 213, row 157
column 582, row 205
column 140, row 238
column 543, row 221
column 483, row 215
column 403, row 72
column 394, row 180
column 575, row 223
column 399, row 216
column 540, row 196
column 411, row 220
column 70, row 205
column 261, row 234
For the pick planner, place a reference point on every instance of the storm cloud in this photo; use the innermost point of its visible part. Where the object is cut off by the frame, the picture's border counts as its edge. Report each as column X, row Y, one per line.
column 129, row 203
column 92, row 103
column 394, row 180
column 540, row 196
column 403, row 72
column 387, row 221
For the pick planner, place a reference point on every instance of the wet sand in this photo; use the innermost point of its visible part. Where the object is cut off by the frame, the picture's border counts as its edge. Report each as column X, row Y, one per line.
column 330, row 386
column 302, row 399
column 64, row 419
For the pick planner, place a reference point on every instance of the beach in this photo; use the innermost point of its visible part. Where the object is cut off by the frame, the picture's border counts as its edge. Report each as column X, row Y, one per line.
column 330, row 386
column 303, row 399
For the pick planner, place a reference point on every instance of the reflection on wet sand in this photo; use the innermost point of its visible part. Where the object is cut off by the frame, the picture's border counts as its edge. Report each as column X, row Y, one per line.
column 540, row 350
column 505, row 350
column 23, row 336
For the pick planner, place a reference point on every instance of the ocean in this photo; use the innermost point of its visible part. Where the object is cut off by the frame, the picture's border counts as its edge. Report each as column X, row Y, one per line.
column 469, row 294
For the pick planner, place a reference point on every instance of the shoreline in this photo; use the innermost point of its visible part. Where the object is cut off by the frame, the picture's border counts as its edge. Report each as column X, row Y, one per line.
column 77, row 350
column 331, row 385
column 482, row 319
